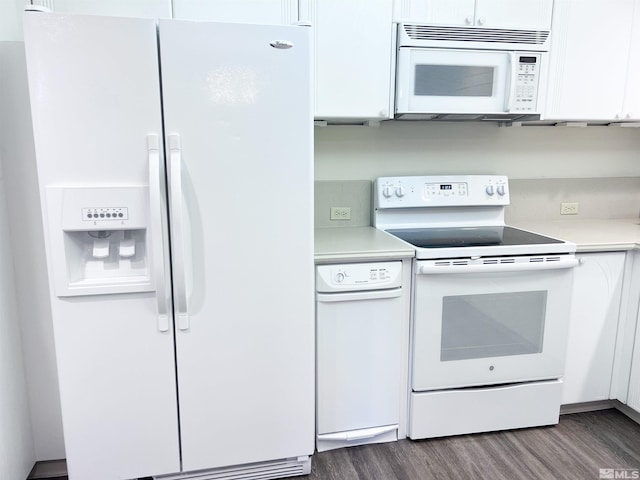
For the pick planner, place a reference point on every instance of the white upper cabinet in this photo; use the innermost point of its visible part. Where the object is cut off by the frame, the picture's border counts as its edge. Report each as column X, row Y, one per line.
column 353, row 58
column 447, row 12
column 118, row 8
column 631, row 105
column 270, row 12
column 521, row 14
column 593, row 66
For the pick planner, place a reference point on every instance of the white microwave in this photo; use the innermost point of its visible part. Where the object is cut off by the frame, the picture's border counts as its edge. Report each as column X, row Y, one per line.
column 483, row 79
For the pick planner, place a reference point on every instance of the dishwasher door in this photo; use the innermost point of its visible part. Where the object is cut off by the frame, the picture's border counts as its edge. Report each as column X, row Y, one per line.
column 358, row 367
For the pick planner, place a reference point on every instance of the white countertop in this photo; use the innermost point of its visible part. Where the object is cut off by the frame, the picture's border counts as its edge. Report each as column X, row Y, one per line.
column 363, row 243
column 358, row 243
column 595, row 235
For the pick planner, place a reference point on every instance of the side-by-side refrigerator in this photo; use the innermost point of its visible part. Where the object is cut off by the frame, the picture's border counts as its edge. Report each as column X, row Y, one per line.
column 176, row 180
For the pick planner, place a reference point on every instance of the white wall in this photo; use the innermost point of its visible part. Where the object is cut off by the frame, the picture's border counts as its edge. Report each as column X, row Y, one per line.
column 11, row 19
column 17, row 454
column 422, row 148
column 33, row 310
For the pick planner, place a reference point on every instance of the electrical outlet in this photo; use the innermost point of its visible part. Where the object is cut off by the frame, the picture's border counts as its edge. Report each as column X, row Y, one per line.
column 569, row 208
column 340, row 213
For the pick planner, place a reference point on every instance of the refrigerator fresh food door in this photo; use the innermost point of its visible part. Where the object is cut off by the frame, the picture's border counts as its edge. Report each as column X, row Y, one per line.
column 238, row 121
column 95, row 98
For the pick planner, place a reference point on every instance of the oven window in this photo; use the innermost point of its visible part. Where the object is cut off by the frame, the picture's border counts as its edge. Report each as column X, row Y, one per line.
column 492, row 325
column 453, row 81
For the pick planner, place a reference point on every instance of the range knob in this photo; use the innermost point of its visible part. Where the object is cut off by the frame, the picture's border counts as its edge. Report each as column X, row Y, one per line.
column 387, row 192
column 339, row 278
column 400, row 191
column 501, row 190
column 490, row 190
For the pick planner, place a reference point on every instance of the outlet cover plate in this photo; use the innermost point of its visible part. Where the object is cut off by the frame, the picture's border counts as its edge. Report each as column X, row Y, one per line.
column 340, row 213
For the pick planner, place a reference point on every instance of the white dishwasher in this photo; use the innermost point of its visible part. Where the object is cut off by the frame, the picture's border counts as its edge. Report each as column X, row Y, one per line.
column 359, row 321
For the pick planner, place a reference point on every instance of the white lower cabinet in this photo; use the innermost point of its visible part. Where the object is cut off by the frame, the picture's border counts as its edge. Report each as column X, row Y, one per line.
column 597, row 291
column 628, row 356
column 633, row 395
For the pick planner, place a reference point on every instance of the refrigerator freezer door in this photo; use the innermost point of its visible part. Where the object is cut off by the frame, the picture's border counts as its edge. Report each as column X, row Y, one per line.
column 242, row 108
column 95, row 97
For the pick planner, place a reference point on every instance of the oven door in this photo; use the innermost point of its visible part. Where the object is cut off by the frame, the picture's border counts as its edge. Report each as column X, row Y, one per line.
column 452, row 81
column 483, row 324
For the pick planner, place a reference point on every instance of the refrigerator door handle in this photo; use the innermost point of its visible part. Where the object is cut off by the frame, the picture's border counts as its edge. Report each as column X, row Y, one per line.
column 157, row 234
column 177, row 231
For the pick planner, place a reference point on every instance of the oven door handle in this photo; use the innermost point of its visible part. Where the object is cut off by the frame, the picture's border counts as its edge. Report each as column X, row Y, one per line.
column 431, row 269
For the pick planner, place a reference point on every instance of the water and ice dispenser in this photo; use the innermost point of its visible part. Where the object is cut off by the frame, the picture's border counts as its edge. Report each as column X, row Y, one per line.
column 99, row 239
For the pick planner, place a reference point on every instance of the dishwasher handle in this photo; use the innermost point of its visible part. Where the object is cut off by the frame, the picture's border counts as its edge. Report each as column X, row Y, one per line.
column 357, row 296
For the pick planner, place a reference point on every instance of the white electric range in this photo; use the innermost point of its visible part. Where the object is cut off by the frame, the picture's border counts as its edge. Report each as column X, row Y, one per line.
column 490, row 305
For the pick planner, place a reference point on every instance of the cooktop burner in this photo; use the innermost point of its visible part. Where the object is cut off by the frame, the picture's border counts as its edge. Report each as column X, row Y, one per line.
column 470, row 237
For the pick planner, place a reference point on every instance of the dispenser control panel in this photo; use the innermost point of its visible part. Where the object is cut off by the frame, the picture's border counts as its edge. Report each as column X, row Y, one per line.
column 105, row 213
column 99, row 208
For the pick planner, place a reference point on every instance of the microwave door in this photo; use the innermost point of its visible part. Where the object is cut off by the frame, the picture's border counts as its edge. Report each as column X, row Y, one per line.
column 448, row 81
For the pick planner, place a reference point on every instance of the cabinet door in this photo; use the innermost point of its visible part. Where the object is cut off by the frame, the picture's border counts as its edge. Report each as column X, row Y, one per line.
column 447, row 12
column 588, row 67
column 118, row 8
column 593, row 325
column 527, row 15
column 633, row 398
column 631, row 110
column 353, row 52
column 269, row 12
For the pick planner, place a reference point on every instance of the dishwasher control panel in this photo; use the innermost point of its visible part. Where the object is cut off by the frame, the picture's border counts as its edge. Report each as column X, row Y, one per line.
column 353, row 277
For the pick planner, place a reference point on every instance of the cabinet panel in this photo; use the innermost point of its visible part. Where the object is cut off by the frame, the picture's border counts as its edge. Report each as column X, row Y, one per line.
column 527, row 15
column 593, row 326
column 119, row 8
column 631, row 110
column 353, row 55
column 633, row 398
column 270, row 12
column 449, row 12
column 588, row 67
column 523, row 14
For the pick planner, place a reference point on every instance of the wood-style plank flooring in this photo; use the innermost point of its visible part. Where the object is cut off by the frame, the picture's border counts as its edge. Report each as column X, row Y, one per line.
column 575, row 449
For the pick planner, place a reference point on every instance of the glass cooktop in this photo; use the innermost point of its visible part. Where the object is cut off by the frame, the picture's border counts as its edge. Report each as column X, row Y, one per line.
column 470, row 237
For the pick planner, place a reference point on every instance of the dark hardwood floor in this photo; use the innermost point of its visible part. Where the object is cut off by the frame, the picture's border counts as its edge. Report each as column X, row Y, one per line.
column 575, row 449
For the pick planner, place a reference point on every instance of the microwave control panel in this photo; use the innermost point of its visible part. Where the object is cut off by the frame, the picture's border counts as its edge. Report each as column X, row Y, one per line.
column 526, row 78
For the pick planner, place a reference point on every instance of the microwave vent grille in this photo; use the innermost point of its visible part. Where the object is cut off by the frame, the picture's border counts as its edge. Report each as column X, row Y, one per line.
column 474, row 34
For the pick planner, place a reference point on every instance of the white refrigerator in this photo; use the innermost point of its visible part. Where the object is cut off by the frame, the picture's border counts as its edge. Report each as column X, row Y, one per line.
column 175, row 164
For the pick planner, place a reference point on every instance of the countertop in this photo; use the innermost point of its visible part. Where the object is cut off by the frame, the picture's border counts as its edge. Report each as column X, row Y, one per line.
column 358, row 243
column 589, row 235
column 369, row 243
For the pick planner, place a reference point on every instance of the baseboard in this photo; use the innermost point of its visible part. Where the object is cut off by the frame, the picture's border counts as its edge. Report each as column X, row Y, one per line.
column 587, row 407
column 629, row 412
column 48, row 469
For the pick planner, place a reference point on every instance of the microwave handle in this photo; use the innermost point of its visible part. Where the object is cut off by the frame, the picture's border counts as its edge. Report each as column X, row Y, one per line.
column 511, row 72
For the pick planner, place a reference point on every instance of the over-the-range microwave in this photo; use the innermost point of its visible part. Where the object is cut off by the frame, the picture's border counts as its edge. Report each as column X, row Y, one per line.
column 468, row 73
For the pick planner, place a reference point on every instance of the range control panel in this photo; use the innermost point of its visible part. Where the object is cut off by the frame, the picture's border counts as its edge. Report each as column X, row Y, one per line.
column 526, row 80
column 354, row 277
column 441, row 191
